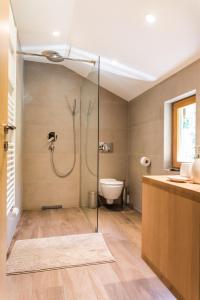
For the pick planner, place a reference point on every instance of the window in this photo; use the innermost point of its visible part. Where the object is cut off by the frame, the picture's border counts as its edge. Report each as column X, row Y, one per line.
column 184, row 130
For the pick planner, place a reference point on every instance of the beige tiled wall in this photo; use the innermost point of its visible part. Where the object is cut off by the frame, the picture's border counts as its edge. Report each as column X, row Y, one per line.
column 136, row 128
column 114, row 128
column 146, row 125
column 46, row 88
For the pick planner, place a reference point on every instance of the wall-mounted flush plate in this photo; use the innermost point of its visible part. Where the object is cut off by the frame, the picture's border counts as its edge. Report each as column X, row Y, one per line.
column 105, row 147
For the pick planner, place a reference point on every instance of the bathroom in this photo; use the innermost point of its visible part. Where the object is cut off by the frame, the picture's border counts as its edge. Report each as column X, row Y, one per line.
column 93, row 158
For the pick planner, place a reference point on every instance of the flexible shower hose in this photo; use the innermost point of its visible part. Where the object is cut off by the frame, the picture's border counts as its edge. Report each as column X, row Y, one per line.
column 86, row 149
column 52, row 148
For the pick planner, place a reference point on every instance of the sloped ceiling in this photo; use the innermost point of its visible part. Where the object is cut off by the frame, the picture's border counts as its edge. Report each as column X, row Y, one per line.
column 116, row 30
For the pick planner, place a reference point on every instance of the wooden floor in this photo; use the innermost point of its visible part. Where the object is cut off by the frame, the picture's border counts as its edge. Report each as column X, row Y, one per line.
column 128, row 278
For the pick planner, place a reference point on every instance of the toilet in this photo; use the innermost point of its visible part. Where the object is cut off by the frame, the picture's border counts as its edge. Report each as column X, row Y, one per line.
column 110, row 189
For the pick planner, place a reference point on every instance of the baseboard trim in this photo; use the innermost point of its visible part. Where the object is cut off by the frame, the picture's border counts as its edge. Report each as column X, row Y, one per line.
column 137, row 209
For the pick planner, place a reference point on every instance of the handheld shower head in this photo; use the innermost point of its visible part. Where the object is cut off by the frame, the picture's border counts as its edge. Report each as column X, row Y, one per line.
column 51, row 140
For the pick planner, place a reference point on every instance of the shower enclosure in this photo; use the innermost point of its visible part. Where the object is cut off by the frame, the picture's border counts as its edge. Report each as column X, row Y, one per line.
column 61, row 137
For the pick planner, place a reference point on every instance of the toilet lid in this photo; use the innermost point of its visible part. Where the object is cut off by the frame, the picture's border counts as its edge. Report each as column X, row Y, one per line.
column 114, row 182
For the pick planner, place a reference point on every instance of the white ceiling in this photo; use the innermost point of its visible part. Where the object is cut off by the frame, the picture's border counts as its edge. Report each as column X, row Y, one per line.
column 116, row 30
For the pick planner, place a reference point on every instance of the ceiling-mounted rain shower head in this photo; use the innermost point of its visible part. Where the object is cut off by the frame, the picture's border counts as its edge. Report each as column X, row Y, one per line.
column 53, row 56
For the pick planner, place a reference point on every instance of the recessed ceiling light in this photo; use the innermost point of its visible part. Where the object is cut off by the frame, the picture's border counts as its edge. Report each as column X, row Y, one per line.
column 56, row 33
column 150, row 19
column 114, row 62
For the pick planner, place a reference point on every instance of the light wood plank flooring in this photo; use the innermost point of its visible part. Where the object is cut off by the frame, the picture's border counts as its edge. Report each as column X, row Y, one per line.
column 128, row 278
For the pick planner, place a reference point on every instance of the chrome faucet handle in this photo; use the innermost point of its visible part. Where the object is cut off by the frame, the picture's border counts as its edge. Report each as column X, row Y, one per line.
column 51, row 146
column 51, row 140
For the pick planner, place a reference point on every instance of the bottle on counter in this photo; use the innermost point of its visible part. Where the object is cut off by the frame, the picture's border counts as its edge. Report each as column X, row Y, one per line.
column 196, row 167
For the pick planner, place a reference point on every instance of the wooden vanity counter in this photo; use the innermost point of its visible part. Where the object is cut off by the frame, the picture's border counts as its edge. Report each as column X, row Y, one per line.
column 171, row 234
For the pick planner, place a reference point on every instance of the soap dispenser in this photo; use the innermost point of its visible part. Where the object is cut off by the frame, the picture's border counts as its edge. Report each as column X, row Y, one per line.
column 196, row 167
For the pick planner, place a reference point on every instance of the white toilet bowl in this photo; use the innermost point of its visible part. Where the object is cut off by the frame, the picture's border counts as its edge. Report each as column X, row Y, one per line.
column 110, row 189
column 102, row 181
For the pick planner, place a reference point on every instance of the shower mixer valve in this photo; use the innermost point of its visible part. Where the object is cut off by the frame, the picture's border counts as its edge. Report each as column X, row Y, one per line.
column 52, row 137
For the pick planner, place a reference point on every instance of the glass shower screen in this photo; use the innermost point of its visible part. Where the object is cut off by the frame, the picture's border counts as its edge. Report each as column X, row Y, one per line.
column 89, row 166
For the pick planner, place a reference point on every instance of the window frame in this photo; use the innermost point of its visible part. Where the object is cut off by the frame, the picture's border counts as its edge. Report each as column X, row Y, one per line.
column 175, row 106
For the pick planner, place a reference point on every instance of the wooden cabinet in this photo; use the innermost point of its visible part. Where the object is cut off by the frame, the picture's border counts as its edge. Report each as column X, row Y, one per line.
column 171, row 235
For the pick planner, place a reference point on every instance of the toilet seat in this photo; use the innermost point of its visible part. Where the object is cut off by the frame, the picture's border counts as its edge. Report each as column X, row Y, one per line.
column 104, row 180
column 112, row 183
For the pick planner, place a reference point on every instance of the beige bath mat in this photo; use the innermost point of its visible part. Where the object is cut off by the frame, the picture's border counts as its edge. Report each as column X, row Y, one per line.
column 35, row 255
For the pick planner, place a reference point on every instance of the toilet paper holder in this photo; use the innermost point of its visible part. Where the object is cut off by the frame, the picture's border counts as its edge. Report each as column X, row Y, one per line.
column 145, row 161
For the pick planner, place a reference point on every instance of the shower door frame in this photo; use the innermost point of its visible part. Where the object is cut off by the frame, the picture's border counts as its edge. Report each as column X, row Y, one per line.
column 90, row 89
column 98, row 124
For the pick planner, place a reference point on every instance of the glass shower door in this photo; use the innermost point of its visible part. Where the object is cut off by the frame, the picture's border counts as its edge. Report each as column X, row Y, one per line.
column 89, row 168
